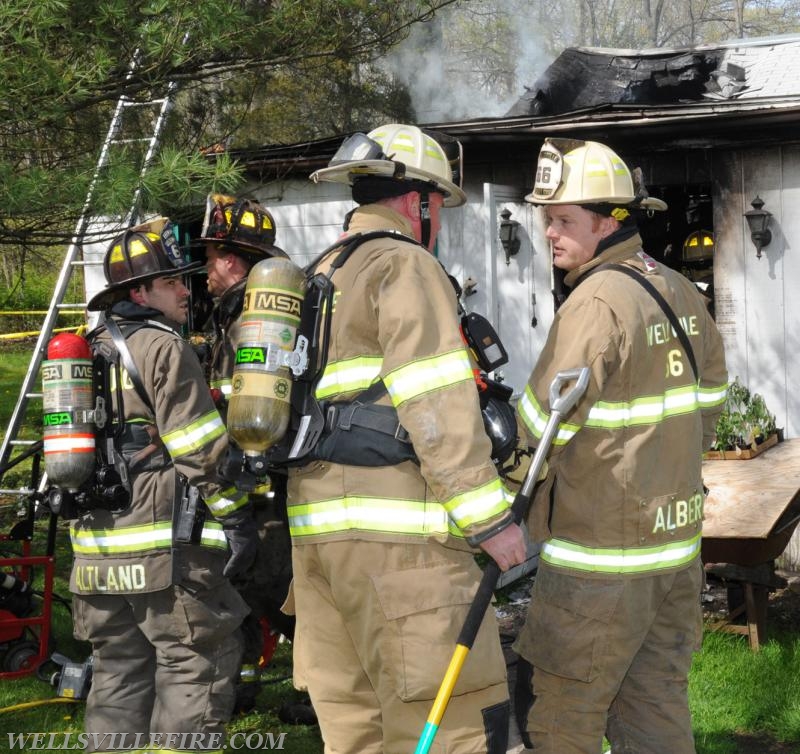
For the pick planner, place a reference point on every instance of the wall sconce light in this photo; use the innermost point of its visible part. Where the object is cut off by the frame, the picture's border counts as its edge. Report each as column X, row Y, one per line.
column 508, row 235
column 758, row 221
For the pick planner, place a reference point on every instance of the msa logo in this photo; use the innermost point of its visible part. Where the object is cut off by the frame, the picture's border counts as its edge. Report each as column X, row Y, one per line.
column 77, row 371
column 250, row 355
column 267, row 301
column 81, row 371
column 51, row 372
column 56, row 419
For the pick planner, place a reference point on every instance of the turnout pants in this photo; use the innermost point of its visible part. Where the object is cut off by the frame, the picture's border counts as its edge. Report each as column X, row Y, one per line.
column 164, row 662
column 376, row 628
column 612, row 656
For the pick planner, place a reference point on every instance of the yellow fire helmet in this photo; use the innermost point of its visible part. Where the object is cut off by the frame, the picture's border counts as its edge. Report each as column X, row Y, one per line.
column 570, row 171
column 400, row 153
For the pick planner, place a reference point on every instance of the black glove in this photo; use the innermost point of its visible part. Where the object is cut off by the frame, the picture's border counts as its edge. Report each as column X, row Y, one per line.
column 242, row 535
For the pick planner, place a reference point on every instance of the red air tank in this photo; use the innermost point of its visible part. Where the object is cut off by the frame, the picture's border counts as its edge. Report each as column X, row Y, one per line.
column 68, row 398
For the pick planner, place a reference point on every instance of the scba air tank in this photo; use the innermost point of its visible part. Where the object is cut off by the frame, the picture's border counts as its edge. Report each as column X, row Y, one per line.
column 259, row 409
column 68, row 398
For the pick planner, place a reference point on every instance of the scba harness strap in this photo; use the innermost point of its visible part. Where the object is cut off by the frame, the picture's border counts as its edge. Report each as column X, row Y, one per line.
column 358, row 432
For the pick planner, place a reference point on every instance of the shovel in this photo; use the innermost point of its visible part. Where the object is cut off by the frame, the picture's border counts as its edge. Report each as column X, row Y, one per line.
column 559, row 405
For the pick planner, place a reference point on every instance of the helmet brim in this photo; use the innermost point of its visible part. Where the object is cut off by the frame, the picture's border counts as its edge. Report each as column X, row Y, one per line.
column 234, row 246
column 649, row 203
column 347, row 172
column 111, row 294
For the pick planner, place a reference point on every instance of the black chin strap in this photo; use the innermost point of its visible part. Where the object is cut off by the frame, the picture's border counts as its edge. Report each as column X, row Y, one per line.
column 425, row 218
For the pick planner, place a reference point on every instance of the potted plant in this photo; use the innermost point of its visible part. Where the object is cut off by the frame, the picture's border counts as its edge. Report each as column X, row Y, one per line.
column 745, row 428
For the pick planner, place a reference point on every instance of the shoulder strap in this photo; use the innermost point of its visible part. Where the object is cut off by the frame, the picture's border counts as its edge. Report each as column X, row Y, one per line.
column 125, row 355
column 349, row 244
column 665, row 307
column 315, row 326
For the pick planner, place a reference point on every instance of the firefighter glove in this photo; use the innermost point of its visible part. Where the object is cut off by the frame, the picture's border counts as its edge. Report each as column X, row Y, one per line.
column 242, row 535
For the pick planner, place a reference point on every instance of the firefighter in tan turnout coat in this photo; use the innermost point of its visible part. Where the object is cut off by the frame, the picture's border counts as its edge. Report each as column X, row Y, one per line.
column 615, row 614
column 383, row 553
column 238, row 233
column 150, row 592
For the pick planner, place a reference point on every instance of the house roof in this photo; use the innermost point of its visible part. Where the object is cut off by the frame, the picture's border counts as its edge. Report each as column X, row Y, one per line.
column 740, row 70
column 732, row 93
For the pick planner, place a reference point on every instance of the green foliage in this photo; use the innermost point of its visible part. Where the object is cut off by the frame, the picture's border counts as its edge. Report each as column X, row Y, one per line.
column 744, row 419
column 64, row 64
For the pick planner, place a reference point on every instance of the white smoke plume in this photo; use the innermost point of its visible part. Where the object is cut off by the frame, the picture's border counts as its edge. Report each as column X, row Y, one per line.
column 447, row 82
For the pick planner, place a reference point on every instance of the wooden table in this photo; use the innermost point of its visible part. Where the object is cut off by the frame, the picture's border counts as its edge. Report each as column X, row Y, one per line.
column 752, row 506
column 751, row 511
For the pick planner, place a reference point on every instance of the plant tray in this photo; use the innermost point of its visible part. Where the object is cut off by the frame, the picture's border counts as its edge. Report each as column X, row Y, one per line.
column 741, row 454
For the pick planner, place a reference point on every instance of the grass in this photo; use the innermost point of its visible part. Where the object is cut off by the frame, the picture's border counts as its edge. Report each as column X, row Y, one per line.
column 736, row 692
column 735, row 695
column 14, row 362
column 49, row 715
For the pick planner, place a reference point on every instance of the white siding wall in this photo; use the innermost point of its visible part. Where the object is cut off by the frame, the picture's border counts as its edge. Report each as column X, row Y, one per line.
column 757, row 300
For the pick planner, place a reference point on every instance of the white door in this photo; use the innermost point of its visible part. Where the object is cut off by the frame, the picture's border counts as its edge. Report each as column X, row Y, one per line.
column 519, row 301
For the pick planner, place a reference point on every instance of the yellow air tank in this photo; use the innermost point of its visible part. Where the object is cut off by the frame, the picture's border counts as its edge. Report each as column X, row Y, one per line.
column 259, row 409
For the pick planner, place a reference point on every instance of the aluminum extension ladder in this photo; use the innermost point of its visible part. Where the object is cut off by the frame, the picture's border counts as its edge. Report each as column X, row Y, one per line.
column 73, row 259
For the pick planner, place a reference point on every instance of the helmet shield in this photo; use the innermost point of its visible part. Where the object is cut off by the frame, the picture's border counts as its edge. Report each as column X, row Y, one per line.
column 357, row 147
column 400, row 153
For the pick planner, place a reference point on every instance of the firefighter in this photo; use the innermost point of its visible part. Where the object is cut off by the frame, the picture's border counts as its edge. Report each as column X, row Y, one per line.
column 615, row 614
column 383, row 555
column 150, row 577
column 238, row 233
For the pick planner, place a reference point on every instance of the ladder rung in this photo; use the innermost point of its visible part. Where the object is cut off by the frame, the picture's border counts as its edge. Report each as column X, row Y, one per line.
column 131, row 141
column 143, row 103
column 157, row 100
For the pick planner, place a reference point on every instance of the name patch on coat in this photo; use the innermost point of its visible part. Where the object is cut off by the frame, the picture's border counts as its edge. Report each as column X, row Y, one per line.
column 119, row 578
column 679, row 513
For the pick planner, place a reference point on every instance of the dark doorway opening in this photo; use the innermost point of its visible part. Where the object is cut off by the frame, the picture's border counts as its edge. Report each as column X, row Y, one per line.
column 683, row 237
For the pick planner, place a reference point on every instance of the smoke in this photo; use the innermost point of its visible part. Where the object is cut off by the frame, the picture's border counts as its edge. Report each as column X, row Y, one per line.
column 470, row 61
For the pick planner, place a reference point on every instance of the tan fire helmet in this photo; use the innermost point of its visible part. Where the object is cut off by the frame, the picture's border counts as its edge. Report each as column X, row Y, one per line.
column 570, row 171
column 401, row 153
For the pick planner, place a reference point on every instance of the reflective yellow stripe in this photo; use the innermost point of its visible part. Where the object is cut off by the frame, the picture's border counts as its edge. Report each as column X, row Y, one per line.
column 194, row 436
column 390, row 515
column 535, row 419
column 226, row 502
column 619, row 414
column 347, row 376
column 560, row 552
column 422, row 376
column 222, row 384
column 136, row 539
column 480, row 504
column 650, row 409
column 712, row 396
